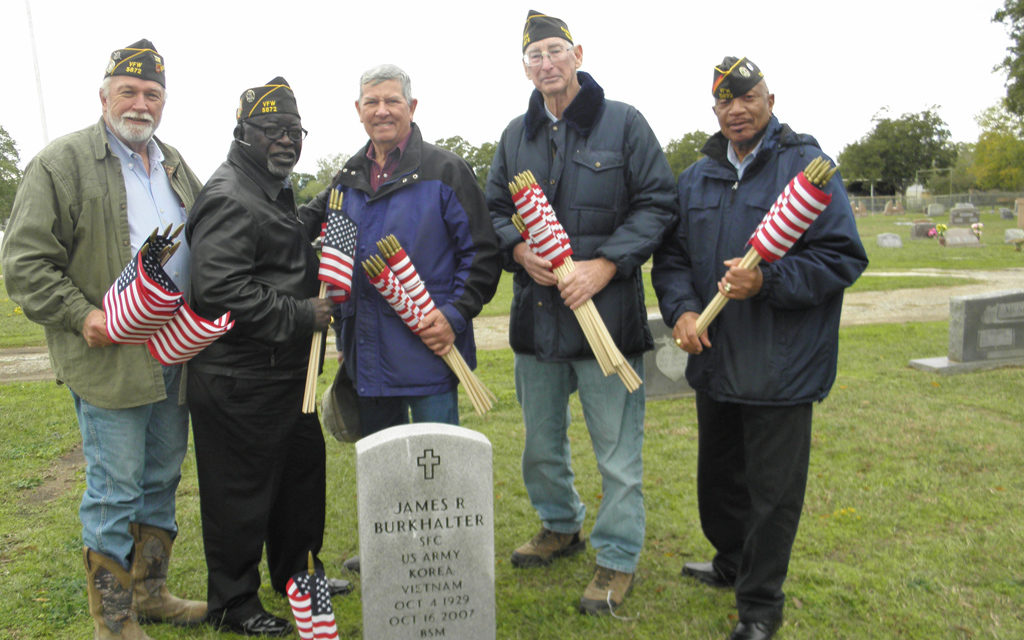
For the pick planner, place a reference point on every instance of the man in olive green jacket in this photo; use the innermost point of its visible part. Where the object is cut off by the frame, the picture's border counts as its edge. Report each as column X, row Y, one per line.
column 86, row 204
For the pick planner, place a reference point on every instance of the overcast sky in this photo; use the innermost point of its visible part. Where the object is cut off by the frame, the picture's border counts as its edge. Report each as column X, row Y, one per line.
column 831, row 65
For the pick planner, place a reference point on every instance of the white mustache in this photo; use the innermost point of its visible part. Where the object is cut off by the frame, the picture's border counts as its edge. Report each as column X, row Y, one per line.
column 137, row 115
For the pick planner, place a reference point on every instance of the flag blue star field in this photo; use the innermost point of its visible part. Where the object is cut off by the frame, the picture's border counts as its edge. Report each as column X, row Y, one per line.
column 339, row 247
column 141, row 300
column 310, row 598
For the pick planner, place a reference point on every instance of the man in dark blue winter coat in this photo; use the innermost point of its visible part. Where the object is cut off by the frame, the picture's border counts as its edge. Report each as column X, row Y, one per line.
column 603, row 171
column 771, row 352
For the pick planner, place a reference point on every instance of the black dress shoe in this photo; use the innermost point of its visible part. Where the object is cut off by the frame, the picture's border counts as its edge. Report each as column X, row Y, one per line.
column 338, row 587
column 708, row 574
column 261, row 624
column 760, row 630
column 352, row 564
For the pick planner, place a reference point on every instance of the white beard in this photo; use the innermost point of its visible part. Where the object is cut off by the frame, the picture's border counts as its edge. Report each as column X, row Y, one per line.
column 131, row 132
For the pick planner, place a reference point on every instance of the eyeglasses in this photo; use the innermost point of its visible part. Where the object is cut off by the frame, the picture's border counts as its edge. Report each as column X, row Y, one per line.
column 555, row 54
column 296, row 134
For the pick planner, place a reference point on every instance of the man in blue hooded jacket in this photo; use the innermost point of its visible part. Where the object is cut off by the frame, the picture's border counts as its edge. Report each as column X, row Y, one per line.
column 771, row 352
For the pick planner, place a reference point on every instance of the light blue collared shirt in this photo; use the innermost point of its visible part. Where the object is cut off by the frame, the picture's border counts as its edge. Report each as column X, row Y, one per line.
column 747, row 160
column 152, row 203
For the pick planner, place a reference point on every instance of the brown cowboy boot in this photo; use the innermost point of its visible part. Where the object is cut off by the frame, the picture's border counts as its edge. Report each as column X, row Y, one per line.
column 110, row 599
column 152, row 601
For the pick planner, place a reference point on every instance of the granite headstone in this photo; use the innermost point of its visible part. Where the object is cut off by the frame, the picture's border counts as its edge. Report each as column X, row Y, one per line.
column 985, row 331
column 936, row 209
column 665, row 367
column 961, row 237
column 889, row 241
column 426, row 533
column 963, row 213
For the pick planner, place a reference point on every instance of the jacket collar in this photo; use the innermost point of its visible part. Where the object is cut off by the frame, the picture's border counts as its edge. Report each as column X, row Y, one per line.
column 269, row 184
column 775, row 134
column 581, row 114
column 101, row 148
column 357, row 169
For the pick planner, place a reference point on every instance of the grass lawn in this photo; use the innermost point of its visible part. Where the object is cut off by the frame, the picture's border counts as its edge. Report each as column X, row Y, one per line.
column 911, row 527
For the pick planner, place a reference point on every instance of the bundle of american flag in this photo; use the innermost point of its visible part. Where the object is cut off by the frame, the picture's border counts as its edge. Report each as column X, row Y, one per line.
column 398, row 281
column 799, row 204
column 144, row 306
column 310, row 598
column 337, row 260
column 544, row 235
column 339, row 247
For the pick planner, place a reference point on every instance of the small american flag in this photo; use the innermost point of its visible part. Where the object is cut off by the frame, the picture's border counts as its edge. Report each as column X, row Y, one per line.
column 310, row 598
column 186, row 335
column 339, row 247
column 141, row 300
column 794, row 210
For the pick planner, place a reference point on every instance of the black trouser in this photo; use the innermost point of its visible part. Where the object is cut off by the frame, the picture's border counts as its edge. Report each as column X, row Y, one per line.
column 261, row 466
column 751, row 477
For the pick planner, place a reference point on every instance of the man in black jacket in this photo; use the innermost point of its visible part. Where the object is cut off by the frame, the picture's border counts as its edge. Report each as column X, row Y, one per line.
column 603, row 171
column 260, row 460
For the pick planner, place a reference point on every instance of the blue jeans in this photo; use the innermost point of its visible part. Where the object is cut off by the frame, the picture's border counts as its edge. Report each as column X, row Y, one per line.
column 133, row 464
column 380, row 412
column 615, row 420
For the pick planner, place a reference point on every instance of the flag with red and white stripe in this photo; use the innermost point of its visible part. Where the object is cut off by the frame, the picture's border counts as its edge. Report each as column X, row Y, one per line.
column 799, row 204
column 310, row 598
column 338, row 250
column 388, row 285
column 186, row 335
column 141, row 300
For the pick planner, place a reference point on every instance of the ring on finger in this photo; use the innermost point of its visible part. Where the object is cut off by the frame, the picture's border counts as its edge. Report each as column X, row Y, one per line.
column 727, row 287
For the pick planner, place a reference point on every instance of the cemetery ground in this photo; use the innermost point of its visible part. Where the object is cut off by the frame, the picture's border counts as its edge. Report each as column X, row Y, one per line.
column 912, row 526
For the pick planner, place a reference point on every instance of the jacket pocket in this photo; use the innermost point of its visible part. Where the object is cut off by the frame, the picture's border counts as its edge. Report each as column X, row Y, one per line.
column 600, row 179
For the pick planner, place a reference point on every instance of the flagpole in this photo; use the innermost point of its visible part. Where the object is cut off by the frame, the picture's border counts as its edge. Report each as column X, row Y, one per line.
column 39, row 82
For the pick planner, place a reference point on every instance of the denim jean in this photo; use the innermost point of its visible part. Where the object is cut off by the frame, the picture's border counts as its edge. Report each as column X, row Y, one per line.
column 380, row 412
column 615, row 420
column 133, row 464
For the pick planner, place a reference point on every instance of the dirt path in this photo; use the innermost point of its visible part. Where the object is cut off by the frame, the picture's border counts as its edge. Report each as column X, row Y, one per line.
column 905, row 305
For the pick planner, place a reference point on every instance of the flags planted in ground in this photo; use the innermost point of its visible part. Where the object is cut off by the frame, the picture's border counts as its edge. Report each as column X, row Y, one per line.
column 310, row 598
column 339, row 247
column 186, row 335
column 142, row 299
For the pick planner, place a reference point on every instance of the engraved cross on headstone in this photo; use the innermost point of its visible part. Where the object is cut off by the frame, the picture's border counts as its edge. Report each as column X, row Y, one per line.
column 428, row 461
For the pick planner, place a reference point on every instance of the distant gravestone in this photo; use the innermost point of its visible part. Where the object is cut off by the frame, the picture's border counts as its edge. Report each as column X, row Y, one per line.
column 921, row 229
column 1006, row 214
column 889, row 241
column 426, row 533
column 665, row 367
column 961, row 238
column 936, row 209
column 985, row 331
column 1012, row 236
column 963, row 213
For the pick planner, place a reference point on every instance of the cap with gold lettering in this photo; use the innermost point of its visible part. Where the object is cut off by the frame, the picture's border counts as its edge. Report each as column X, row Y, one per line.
column 539, row 26
column 734, row 77
column 139, row 60
column 274, row 97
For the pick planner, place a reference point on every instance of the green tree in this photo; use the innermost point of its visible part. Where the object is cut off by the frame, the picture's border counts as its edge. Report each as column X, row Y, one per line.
column 898, row 148
column 682, row 152
column 1012, row 16
column 478, row 158
column 308, row 186
column 10, row 175
column 999, row 153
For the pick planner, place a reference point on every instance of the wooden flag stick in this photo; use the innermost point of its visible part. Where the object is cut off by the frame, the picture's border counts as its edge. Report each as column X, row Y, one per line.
column 312, row 369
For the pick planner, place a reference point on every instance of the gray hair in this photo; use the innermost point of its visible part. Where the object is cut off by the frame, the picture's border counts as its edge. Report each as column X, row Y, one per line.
column 105, row 88
column 383, row 73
